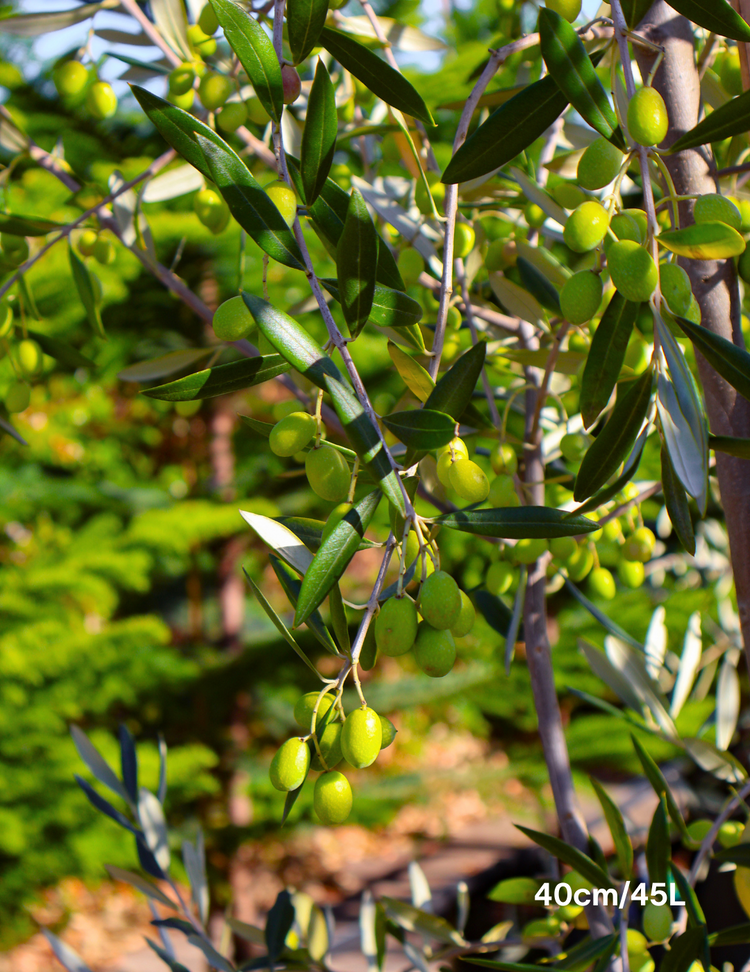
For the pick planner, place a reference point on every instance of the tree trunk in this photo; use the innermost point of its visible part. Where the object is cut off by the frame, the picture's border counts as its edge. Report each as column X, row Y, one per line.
column 714, row 282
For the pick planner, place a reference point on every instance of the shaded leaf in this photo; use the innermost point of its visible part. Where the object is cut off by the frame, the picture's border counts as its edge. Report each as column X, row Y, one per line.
column 635, row 10
column 734, row 935
column 615, row 441
column 517, row 523
column 388, row 272
column 616, row 824
column 703, row 241
column 142, row 884
column 676, row 502
column 731, row 445
column 304, row 21
column 85, row 288
column 658, row 847
column 33, row 24
column 386, row 83
column 65, row 955
column 94, row 760
column 164, row 365
column 536, row 283
column 278, row 922
column 732, row 362
column 164, row 956
column 730, row 119
column 688, row 895
column 104, row 806
column 517, row 300
column 415, row 377
column 723, row 765
column 390, row 308
column 415, row 919
column 321, row 124
column 421, row 428
column 356, row 263
column 250, row 204
column 684, row 950
column 129, row 763
column 334, row 555
column 602, row 618
column 689, row 459
column 279, row 536
column 631, row 664
column 19, row 225
column 570, row 855
column 495, row 612
column 629, row 470
column 581, row 955
column 220, row 380
column 727, row 703
column 606, row 356
column 534, row 193
column 715, row 15
column 292, row 585
column 452, row 394
column 603, row 668
column 660, row 786
column 254, row 48
column 215, row 959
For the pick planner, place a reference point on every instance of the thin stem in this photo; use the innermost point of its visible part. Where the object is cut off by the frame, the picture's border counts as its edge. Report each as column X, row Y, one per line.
column 150, row 30
column 372, row 604
column 708, row 841
column 461, row 277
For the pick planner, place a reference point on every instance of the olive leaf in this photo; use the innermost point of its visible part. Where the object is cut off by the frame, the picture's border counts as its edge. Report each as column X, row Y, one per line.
column 687, row 453
column 570, row 855
column 616, row 439
column 292, row 585
column 657, row 844
column 536, row 283
column 716, row 16
column 254, row 48
column 629, row 470
column 606, row 357
column 676, row 502
column 421, row 428
column 85, row 288
column 334, row 555
column 390, row 308
column 220, row 380
column 417, row 380
column 729, row 120
column 730, row 445
column 356, row 262
column 660, row 786
column 732, row 362
column 704, row 241
column 517, row 523
column 452, row 394
column 304, row 21
column 616, row 824
column 319, row 134
column 165, row 365
column 734, row 935
column 278, row 623
column 61, row 351
column 18, row 225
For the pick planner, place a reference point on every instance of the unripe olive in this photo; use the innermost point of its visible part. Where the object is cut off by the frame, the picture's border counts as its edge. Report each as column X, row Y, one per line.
column 602, row 583
column 675, row 288
column 208, row 21
column 626, row 227
column 568, row 195
column 211, row 210
column 256, row 112
column 15, row 248
column 437, row 188
column 292, row 434
column 231, row 116
column 697, row 831
column 6, row 318
column 463, row 240
column 410, row 266
column 396, row 626
column 612, row 531
column 657, row 922
column 30, row 357
column 581, row 296
column 562, row 548
column 232, row 320
column 640, row 546
column 184, row 101
column 181, row 79
column 434, row 650
column 329, row 741
column 744, row 207
column 332, row 797
column 304, row 707
column 453, row 320
column 440, row 600
column 599, row 164
column 202, row 42
column 580, row 564
column 361, row 737
column 284, row 200
column 327, row 473
column 632, row 270
column 586, row 227
column 70, row 78
column 573, row 446
column 636, row 942
column 730, row 833
column 569, row 9
column 17, row 397
column 631, row 573
column 104, row 251
column 292, row 84
column 713, row 207
column 499, row 577
column 503, row 459
column 466, row 618
column 412, row 552
column 290, row 764
column 389, row 732
column 648, row 121
column 335, row 517
column 457, row 446
column 730, row 71
column 87, row 242
column 469, row 480
column 503, row 492
column 495, row 257
column 368, row 654
column 534, row 215
column 101, row 100
column 529, row 549
column 214, row 90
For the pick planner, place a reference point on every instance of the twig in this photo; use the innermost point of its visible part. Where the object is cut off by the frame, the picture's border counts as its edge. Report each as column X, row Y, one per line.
column 150, row 30
column 372, row 604
column 461, row 277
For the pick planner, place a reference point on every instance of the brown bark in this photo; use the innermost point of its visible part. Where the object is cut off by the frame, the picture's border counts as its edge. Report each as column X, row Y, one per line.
column 714, row 282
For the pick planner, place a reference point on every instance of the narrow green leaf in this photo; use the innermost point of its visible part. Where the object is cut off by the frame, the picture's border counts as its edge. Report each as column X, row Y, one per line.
column 366, row 440
column 310, row 531
column 536, row 283
column 221, row 380
column 388, row 273
column 603, row 619
column 334, row 556
column 509, row 130
column 629, row 470
column 501, row 966
column 292, row 585
column 278, row 923
column 635, row 10
column 384, row 82
column 676, row 502
column 730, row 445
column 250, row 205
column 616, row 439
column 658, row 847
column 684, row 950
column 715, row 15
column 734, row 935
column 417, row 380
column 165, row 957
column 254, row 48
column 582, row 954
column 570, row 855
column 517, row 523
column 357, row 263
column 61, row 351
column 688, row 895
column 495, row 612
column 732, row 362
column 166, row 364
column 292, row 341
column 304, row 21
column 19, row 225
column 686, row 439
column 616, row 824
column 731, row 119
column 606, row 356
column 660, row 786
column 569, row 64
column 142, row 884
column 421, row 428
column 262, row 428
column 704, row 241
column 321, row 125
column 739, row 855
column 278, row 623
column 339, row 620
column 390, row 308
column 452, row 394
column 416, row 920
column 82, row 280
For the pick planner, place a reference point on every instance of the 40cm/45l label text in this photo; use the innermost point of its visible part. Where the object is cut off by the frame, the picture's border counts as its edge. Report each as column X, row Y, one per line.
column 563, row 894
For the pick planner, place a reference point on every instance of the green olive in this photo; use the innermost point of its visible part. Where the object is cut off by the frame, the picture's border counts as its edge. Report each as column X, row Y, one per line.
column 332, row 798
column 632, row 270
column 389, row 732
column 569, row 9
column 207, row 20
column 434, row 650
column 580, row 563
column 586, row 227
column 602, row 583
column 675, row 288
column 304, row 707
column 232, row 320
column 640, row 545
column 201, row 42
column 101, row 100
column 599, row 164
column 30, row 357
column 503, row 459
column 214, row 89
column 503, row 492
column 463, row 240
column 581, row 296
column 292, row 434
column 104, row 251
column 329, row 741
column 87, row 242
column 466, row 618
column 284, row 200
column 290, row 764
column 562, row 548
column 469, row 480
column 499, row 577
column 440, row 600
column 631, row 573
column 528, row 550
column 327, row 473
column 657, row 922
column 70, row 78
column 648, row 121
column 181, row 79
column 361, row 737
column 396, row 626
column 17, row 397
column 231, row 116
column 211, row 210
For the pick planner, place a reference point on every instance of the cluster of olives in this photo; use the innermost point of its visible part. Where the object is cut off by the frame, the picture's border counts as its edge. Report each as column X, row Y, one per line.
column 211, row 209
column 92, row 243
column 27, row 359
column 72, row 78
column 330, row 737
